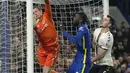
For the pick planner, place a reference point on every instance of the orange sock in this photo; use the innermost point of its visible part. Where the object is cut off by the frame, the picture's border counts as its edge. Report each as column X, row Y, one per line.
column 53, row 71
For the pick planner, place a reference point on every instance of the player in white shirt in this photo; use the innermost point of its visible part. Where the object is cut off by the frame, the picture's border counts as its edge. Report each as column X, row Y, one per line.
column 103, row 42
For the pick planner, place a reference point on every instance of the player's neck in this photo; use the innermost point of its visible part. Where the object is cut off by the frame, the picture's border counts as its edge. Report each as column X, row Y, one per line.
column 80, row 24
column 104, row 30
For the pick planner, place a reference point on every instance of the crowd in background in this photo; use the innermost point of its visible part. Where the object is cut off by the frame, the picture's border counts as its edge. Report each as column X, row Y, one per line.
column 121, row 50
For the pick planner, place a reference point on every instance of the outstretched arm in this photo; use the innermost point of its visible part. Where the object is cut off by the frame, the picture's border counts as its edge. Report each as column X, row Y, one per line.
column 48, row 11
column 77, row 39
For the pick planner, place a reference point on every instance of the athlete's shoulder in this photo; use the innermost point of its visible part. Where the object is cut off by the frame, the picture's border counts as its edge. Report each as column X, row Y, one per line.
column 96, row 31
column 84, row 27
column 81, row 28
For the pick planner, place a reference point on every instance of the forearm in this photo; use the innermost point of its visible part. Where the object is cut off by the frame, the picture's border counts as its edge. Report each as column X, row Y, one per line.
column 69, row 37
column 98, row 57
column 47, row 10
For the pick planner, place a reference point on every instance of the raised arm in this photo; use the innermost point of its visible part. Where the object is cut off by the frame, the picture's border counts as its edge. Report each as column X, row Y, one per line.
column 48, row 11
column 75, row 39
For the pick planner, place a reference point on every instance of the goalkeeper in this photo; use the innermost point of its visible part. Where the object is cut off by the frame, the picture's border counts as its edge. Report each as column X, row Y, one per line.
column 48, row 50
column 82, row 39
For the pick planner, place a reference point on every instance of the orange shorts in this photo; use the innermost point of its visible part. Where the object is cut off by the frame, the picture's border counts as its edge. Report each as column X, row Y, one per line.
column 48, row 58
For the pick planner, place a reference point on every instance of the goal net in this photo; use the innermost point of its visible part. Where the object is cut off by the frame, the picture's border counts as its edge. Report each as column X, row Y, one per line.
column 13, row 34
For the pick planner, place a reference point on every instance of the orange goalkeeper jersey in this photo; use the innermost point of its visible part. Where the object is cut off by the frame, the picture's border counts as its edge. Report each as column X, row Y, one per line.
column 46, row 30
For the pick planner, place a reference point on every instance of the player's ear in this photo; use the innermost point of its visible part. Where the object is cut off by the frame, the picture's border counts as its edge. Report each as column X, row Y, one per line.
column 80, row 21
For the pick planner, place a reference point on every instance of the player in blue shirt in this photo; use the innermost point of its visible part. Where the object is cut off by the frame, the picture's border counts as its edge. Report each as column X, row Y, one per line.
column 82, row 39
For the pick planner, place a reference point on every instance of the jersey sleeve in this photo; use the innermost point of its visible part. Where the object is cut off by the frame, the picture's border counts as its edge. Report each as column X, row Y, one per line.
column 48, row 11
column 77, row 39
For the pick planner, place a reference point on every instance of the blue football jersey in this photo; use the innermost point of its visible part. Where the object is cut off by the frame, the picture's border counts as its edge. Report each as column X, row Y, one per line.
column 83, row 42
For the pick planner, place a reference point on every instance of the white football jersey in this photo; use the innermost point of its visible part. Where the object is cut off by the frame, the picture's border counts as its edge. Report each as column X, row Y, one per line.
column 105, row 41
